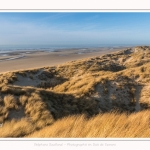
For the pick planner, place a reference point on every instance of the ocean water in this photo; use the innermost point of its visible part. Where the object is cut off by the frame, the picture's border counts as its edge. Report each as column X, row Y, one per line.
column 20, row 51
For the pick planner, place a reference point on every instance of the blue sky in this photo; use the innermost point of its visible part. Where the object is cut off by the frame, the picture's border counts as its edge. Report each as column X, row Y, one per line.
column 70, row 28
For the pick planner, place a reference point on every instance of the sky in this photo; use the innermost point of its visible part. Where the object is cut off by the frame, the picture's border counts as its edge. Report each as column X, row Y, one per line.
column 74, row 28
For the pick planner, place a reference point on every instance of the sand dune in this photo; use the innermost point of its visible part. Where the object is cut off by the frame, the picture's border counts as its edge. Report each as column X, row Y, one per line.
column 115, row 84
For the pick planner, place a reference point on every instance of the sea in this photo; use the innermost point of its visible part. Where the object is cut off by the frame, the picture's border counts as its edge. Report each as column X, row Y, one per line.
column 11, row 48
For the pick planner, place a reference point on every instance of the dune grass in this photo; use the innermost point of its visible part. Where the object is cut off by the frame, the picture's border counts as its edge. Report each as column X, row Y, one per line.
column 106, row 96
column 108, row 125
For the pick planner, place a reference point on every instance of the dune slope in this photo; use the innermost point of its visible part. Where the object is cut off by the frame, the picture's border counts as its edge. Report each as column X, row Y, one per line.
column 116, row 84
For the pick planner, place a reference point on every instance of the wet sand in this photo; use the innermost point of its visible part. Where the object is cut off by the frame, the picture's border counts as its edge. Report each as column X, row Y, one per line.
column 35, row 59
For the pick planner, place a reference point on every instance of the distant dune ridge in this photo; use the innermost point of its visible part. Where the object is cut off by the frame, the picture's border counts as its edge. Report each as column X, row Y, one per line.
column 40, row 102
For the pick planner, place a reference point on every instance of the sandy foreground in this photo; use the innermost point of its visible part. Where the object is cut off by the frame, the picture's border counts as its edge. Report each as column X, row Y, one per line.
column 35, row 59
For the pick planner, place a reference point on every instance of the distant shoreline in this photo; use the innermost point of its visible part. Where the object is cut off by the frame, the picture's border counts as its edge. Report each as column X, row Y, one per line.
column 28, row 59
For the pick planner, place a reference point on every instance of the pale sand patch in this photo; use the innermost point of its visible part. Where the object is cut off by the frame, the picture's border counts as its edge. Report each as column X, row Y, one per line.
column 40, row 79
column 27, row 81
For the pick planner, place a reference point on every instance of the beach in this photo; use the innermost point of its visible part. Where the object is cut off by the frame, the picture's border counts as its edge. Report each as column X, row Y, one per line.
column 28, row 59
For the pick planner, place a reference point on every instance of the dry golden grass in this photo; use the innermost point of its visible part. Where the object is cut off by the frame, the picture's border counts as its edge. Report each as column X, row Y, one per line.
column 16, row 128
column 10, row 102
column 103, row 125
